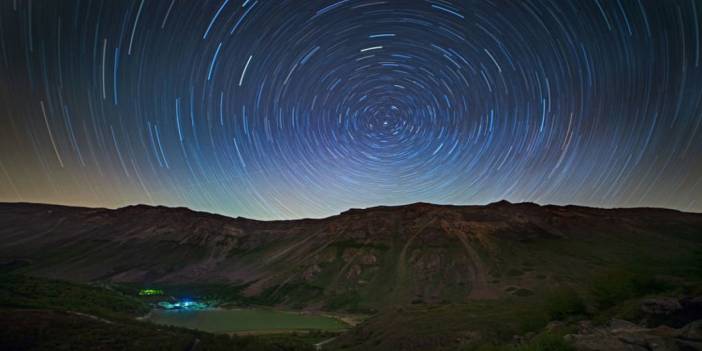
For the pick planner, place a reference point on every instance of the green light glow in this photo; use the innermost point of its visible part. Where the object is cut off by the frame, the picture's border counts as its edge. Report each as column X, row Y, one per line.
column 150, row 292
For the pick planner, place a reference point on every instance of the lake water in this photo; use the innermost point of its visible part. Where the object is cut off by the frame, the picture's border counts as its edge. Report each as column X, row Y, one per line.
column 241, row 320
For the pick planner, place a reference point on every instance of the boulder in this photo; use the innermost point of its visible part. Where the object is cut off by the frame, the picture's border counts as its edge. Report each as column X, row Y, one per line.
column 620, row 325
column 555, row 327
column 660, row 306
column 672, row 312
column 692, row 331
column 597, row 342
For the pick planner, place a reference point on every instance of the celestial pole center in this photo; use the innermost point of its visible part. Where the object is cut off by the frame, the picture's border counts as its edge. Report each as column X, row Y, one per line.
column 287, row 109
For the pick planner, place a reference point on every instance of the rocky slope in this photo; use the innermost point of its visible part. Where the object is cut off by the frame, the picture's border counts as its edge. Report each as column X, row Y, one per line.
column 359, row 259
column 625, row 335
column 664, row 323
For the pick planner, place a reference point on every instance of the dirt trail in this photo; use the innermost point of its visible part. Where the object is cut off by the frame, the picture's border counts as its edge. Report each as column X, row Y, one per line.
column 480, row 288
column 351, row 261
column 402, row 258
column 99, row 319
column 193, row 346
column 320, row 345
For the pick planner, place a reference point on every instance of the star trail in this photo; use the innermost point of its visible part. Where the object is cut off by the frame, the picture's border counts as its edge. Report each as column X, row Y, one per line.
column 286, row 109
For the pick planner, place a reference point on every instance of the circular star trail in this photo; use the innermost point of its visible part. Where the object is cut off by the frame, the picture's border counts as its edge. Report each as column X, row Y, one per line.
column 286, row 109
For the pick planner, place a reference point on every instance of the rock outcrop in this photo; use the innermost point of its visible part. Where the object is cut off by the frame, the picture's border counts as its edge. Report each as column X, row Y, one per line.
column 668, row 324
column 625, row 336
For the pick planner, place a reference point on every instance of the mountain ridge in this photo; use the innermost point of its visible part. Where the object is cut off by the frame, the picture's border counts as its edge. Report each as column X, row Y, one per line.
column 359, row 259
column 347, row 211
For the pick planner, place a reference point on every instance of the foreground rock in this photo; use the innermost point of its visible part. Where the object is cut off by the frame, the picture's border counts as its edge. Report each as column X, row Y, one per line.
column 671, row 311
column 621, row 335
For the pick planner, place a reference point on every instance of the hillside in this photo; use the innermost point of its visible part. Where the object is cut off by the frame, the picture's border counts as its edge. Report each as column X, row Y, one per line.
column 43, row 314
column 359, row 260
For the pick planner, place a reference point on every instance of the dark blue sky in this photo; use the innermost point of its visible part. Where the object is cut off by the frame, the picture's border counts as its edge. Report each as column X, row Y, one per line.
column 285, row 109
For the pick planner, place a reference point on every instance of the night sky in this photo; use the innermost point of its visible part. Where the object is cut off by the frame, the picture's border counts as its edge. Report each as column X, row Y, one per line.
column 286, row 109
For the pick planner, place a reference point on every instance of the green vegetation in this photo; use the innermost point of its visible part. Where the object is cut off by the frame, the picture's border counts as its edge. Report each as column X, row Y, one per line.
column 545, row 342
column 447, row 326
column 19, row 291
column 349, row 300
column 423, row 273
column 479, row 325
column 307, row 336
column 564, row 302
column 42, row 314
column 613, row 293
column 542, row 342
column 204, row 292
column 53, row 330
column 613, row 287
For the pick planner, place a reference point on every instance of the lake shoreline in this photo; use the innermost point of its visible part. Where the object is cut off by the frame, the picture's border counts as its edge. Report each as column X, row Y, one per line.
column 251, row 321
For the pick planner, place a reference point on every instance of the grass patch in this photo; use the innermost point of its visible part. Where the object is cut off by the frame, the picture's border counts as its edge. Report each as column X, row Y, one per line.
column 545, row 342
column 348, row 300
column 542, row 342
column 28, row 292
column 564, row 302
column 43, row 314
column 55, row 330
column 613, row 287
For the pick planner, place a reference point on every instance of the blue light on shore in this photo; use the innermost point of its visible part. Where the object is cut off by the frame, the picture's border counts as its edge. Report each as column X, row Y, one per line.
column 184, row 304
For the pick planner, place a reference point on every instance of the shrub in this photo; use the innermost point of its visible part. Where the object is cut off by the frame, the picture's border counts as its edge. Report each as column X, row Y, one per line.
column 347, row 300
column 564, row 302
column 542, row 342
column 614, row 287
column 546, row 342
